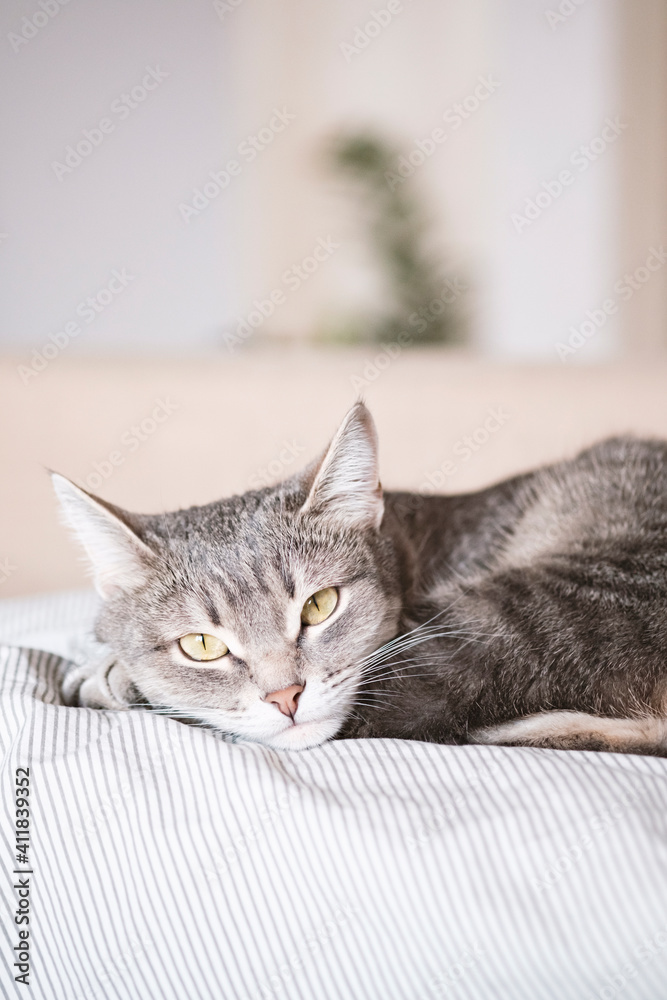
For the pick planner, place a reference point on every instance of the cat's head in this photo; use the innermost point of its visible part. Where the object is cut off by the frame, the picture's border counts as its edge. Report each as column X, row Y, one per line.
column 252, row 614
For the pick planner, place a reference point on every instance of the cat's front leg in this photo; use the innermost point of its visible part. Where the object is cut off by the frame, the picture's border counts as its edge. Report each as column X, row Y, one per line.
column 101, row 684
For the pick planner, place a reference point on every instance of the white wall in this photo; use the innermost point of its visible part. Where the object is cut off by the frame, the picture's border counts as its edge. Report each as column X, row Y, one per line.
column 553, row 256
column 118, row 209
column 555, row 85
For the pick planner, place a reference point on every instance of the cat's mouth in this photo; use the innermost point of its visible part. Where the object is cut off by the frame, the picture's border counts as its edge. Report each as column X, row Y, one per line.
column 275, row 730
column 303, row 735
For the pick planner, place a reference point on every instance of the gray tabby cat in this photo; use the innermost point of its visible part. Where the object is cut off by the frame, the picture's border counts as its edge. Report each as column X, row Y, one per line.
column 533, row 612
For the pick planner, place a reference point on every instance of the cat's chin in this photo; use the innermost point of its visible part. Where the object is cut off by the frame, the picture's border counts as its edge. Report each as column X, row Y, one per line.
column 303, row 735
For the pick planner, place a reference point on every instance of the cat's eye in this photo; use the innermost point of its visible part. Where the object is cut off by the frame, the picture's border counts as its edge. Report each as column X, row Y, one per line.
column 199, row 646
column 318, row 607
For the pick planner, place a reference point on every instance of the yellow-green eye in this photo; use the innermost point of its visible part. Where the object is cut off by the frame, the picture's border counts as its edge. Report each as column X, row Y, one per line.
column 318, row 607
column 199, row 646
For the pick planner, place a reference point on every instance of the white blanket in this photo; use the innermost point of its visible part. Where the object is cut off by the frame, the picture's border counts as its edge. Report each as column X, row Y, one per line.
column 164, row 862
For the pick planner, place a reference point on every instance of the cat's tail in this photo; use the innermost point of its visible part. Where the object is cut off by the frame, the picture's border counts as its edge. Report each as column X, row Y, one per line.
column 565, row 730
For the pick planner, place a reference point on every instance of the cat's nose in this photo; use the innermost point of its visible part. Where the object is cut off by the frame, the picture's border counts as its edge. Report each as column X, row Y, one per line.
column 286, row 700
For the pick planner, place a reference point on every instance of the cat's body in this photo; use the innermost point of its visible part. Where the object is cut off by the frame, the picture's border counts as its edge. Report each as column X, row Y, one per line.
column 553, row 587
column 532, row 612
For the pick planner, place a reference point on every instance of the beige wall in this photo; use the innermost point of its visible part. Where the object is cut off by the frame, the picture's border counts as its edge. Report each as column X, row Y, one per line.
column 260, row 416
column 643, row 209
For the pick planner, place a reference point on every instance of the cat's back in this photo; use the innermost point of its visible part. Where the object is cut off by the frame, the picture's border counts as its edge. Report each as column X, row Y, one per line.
column 610, row 496
column 608, row 500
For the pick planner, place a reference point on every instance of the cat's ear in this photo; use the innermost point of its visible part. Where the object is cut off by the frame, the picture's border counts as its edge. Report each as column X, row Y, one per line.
column 346, row 484
column 119, row 559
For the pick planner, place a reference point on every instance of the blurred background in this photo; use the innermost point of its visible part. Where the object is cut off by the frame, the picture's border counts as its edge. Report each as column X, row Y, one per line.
column 224, row 220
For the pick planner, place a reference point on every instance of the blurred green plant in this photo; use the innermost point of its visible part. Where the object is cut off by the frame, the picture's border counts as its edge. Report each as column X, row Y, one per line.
column 398, row 238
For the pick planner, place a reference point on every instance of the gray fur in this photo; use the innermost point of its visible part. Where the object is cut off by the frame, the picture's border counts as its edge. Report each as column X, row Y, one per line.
column 457, row 616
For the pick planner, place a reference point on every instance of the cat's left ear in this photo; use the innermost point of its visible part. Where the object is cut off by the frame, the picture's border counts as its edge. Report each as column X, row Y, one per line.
column 119, row 558
column 346, row 484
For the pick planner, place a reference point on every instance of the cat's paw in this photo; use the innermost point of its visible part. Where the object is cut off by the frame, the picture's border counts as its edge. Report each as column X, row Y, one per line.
column 103, row 684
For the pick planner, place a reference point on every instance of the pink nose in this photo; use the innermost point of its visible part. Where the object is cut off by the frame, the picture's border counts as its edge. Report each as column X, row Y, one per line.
column 286, row 700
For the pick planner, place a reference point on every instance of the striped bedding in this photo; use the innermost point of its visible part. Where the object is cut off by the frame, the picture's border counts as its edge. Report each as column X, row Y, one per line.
column 164, row 862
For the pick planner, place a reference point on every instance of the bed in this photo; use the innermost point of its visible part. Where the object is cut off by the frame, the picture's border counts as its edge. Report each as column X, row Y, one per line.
column 166, row 862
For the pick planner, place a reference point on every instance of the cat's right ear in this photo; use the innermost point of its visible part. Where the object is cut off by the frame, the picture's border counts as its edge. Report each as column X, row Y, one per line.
column 118, row 557
column 346, row 484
